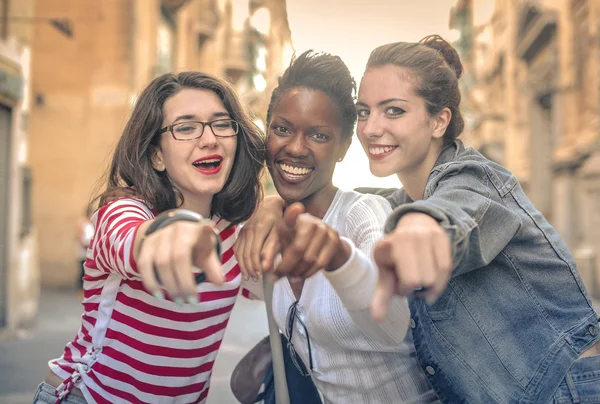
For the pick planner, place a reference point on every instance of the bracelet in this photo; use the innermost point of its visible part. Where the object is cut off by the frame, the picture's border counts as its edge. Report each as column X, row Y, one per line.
column 171, row 216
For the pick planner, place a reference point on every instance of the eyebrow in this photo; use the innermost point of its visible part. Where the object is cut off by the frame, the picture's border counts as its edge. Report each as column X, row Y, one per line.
column 284, row 120
column 188, row 117
column 292, row 124
column 380, row 103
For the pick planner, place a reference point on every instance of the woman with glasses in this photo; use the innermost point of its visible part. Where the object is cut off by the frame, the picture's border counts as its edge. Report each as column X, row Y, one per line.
column 150, row 333
column 325, row 239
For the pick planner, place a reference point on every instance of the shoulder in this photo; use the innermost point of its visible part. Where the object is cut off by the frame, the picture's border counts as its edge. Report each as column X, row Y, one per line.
column 471, row 169
column 353, row 201
column 125, row 206
column 368, row 202
column 395, row 196
column 362, row 211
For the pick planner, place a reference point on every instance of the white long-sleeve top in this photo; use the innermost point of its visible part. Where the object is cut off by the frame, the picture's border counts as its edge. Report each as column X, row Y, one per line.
column 355, row 359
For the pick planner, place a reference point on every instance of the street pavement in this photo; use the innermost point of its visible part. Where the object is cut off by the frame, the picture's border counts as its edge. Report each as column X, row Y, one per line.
column 25, row 353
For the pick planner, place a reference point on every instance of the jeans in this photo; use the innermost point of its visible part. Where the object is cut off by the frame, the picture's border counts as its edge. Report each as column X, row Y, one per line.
column 581, row 384
column 45, row 395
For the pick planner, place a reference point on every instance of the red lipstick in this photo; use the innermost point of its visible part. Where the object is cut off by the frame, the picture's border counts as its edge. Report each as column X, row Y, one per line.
column 209, row 165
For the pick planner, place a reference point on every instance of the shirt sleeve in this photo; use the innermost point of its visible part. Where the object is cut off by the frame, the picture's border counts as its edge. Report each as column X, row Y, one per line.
column 115, row 228
column 478, row 225
column 356, row 280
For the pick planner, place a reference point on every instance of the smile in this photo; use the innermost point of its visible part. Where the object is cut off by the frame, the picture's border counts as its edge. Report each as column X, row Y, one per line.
column 209, row 165
column 376, row 150
column 379, row 152
column 294, row 173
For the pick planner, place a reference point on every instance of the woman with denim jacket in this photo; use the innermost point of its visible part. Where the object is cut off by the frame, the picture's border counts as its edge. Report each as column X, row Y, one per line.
column 500, row 314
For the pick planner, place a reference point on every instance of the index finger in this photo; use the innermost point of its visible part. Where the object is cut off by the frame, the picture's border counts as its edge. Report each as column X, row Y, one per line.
column 205, row 255
column 386, row 284
column 443, row 261
column 211, row 266
column 382, row 253
column 290, row 216
column 182, row 265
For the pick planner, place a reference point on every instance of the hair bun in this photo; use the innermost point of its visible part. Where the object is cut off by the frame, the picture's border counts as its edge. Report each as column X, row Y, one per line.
column 446, row 50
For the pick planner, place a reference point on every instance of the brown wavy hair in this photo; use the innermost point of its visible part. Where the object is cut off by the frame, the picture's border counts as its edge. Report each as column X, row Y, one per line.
column 436, row 66
column 131, row 164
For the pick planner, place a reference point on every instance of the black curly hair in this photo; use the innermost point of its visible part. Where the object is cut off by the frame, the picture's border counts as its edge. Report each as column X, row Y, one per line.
column 326, row 73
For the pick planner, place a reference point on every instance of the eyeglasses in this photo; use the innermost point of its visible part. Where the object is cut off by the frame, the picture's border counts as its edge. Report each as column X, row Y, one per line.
column 292, row 315
column 191, row 130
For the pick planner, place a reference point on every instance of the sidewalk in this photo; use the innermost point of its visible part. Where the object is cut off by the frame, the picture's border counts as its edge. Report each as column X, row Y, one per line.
column 24, row 355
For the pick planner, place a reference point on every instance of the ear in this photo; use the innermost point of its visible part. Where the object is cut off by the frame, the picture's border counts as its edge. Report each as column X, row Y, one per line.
column 344, row 149
column 157, row 159
column 440, row 122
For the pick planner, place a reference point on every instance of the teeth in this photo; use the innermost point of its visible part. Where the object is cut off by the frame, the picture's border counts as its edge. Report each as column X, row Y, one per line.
column 208, row 161
column 295, row 170
column 381, row 150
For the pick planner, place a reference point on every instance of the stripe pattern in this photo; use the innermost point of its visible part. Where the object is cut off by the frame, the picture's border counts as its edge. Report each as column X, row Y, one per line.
column 131, row 347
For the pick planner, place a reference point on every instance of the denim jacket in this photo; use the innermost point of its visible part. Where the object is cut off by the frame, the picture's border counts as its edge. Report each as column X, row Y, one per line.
column 515, row 314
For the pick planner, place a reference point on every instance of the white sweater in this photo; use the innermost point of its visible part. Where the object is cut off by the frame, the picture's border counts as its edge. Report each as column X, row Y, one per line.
column 355, row 359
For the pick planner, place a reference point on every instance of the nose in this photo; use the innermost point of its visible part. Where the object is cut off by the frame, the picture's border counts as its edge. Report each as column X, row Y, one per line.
column 297, row 146
column 208, row 139
column 370, row 128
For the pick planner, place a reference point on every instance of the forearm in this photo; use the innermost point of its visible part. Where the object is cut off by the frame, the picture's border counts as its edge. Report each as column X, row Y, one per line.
column 355, row 283
column 118, row 228
column 114, row 251
column 478, row 226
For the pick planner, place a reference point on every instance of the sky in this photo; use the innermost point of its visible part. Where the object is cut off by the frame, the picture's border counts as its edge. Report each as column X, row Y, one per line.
column 351, row 29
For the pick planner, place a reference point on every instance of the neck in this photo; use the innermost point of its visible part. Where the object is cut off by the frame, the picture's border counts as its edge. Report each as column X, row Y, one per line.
column 318, row 203
column 414, row 179
column 199, row 205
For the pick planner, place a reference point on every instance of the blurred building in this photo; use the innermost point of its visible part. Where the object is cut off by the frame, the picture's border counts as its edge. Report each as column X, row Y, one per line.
column 19, row 274
column 532, row 94
column 83, row 90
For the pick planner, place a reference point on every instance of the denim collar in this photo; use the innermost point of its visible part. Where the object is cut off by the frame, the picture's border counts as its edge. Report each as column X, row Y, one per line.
column 450, row 153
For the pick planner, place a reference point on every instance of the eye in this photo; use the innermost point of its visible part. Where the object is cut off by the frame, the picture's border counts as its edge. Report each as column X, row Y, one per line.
column 281, row 130
column 186, row 128
column 362, row 114
column 222, row 124
column 394, row 111
column 320, row 137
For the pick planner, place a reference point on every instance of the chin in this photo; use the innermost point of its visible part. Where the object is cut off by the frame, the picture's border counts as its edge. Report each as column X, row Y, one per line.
column 288, row 195
column 209, row 190
column 381, row 172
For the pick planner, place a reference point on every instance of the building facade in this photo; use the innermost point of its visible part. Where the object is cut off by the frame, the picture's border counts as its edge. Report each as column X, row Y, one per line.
column 83, row 90
column 532, row 94
column 19, row 271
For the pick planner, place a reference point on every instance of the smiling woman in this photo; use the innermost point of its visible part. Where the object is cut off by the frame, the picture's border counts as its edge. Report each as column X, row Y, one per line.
column 325, row 243
column 193, row 158
column 488, row 324
column 304, row 144
column 188, row 157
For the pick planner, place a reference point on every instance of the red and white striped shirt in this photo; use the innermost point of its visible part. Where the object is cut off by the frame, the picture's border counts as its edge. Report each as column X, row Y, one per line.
column 132, row 347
